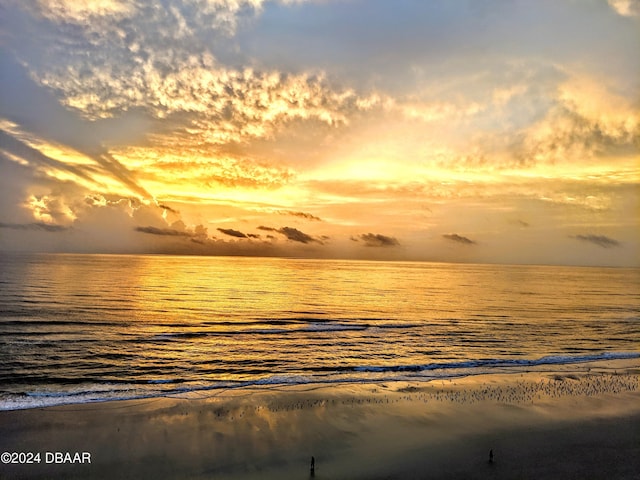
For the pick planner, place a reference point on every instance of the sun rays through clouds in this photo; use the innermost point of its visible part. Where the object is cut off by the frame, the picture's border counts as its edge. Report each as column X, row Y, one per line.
column 448, row 131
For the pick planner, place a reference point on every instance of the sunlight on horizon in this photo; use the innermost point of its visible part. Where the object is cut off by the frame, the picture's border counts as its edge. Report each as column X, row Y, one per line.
column 249, row 130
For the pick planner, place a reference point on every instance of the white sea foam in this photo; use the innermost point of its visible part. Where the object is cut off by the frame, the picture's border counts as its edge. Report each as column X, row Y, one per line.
column 88, row 393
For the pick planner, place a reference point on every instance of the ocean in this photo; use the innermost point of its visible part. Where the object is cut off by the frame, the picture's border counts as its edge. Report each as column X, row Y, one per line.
column 85, row 328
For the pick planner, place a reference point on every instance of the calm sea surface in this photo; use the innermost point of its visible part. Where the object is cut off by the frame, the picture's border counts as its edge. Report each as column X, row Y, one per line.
column 78, row 328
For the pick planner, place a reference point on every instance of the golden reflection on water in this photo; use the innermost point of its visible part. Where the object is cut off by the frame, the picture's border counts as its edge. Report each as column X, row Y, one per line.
column 230, row 318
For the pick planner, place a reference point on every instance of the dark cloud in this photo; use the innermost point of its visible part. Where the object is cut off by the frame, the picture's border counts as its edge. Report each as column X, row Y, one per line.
column 599, row 240
column 232, row 233
column 304, row 215
column 376, row 240
column 47, row 227
column 292, row 234
column 253, row 235
column 170, row 232
column 454, row 237
column 296, row 235
column 168, row 208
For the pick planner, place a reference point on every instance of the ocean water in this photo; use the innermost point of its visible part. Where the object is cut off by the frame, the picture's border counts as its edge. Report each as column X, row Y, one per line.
column 80, row 328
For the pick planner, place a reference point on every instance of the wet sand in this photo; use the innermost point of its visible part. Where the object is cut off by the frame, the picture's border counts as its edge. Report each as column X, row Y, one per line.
column 574, row 422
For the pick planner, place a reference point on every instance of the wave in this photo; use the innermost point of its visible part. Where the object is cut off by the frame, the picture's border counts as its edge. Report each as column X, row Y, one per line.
column 306, row 328
column 54, row 322
column 498, row 362
column 275, row 327
column 65, row 392
column 333, row 327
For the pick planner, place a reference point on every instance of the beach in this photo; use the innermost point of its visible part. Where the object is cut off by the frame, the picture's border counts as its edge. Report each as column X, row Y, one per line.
column 573, row 421
column 247, row 369
column 325, row 240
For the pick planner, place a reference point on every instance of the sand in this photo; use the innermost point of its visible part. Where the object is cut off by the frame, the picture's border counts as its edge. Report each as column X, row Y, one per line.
column 574, row 422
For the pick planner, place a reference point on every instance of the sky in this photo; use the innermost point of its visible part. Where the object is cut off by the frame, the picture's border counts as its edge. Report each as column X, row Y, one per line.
column 443, row 130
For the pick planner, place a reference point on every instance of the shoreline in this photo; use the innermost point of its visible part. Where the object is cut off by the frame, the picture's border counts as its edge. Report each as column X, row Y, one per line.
column 582, row 422
column 456, row 371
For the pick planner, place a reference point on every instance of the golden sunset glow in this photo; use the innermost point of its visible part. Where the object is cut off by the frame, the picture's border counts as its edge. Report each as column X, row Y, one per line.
column 315, row 128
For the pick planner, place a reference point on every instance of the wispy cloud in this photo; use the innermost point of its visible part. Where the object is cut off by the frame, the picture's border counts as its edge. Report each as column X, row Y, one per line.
column 292, row 234
column 306, row 216
column 520, row 223
column 168, row 208
column 169, row 232
column 376, row 240
column 129, row 123
column 454, row 237
column 599, row 240
column 232, row 233
column 162, row 164
column 47, row 227
column 626, row 8
column 296, row 235
column 42, row 133
column 27, row 153
column 222, row 15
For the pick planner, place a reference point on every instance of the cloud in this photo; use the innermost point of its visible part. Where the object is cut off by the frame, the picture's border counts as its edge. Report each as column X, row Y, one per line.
column 37, row 129
column 304, row 215
column 121, row 61
column 47, row 227
column 626, row 8
column 599, row 240
column 292, row 234
column 319, row 111
column 134, row 64
column 72, row 11
column 205, row 169
column 296, row 235
column 454, row 237
column 35, row 157
column 586, row 120
column 168, row 208
column 108, row 59
column 232, row 233
column 52, row 208
column 169, row 232
column 97, row 15
column 377, row 240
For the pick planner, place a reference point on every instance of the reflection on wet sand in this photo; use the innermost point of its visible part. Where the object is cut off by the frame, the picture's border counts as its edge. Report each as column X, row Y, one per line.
column 387, row 430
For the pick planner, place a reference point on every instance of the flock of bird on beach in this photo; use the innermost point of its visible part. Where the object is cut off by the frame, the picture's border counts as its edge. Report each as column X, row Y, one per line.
column 520, row 392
